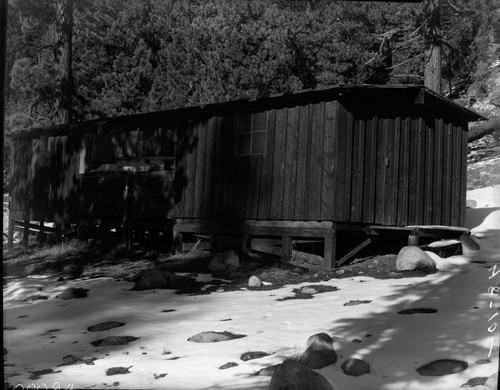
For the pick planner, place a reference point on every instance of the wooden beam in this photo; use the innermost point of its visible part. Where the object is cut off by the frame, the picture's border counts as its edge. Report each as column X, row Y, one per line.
column 329, row 251
column 286, row 248
column 354, row 251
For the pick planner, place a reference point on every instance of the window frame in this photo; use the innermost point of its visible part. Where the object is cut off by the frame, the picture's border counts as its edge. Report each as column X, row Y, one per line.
column 252, row 131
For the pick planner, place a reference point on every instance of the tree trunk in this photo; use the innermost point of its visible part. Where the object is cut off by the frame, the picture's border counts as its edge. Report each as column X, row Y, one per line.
column 432, row 74
column 63, row 53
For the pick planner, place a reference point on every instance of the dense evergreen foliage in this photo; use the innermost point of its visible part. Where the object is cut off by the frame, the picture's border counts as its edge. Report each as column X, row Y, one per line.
column 145, row 55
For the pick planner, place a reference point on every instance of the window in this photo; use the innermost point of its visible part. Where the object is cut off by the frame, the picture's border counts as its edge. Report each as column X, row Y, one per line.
column 142, row 149
column 252, row 134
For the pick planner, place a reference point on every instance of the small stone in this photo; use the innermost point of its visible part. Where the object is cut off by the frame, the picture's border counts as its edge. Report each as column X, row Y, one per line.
column 442, row 367
column 254, row 281
column 117, row 371
column 113, row 340
column 228, row 365
column 418, row 311
column 105, row 326
column 36, row 298
column 308, row 291
column 357, row 302
column 483, row 361
column 73, row 293
column 355, row 367
column 340, row 272
column 214, row 337
column 473, row 382
column 253, row 355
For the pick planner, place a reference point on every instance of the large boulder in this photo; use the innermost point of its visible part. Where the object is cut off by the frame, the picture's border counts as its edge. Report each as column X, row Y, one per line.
column 293, row 375
column 224, row 262
column 157, row 278
column 320, row 352
column 412, row 258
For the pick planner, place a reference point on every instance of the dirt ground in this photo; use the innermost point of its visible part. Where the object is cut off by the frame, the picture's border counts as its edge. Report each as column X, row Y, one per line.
column 70, row 261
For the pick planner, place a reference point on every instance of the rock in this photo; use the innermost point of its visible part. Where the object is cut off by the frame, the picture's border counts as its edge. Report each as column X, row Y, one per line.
column 253, row 355
column 308, row 290
column 492, row 381
column 483, row 361
column 268, row 371
column 422, row 310
column 293, row 375
column 214, row 337
column 357, row 302
column 471, row 204
column 473, row 382
column 442, row 367
column 355, row 367
column 469, row 243
column 412, row 258
column 36, row 298
column 228, row 365
column 340, row 272
column 105, row 326
column 69, row 360
column 319, row 352
column 157, row 278
column 73, row 293
column 320, row 338
column 224, row 262
column 254, row 281
column 117, row 371
column 113, row 340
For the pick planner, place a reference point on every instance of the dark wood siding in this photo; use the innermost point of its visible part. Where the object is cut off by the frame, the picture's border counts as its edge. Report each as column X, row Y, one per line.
column 364, row 156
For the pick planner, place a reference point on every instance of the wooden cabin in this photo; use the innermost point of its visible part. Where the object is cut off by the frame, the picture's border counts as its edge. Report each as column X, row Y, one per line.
column 312, row 164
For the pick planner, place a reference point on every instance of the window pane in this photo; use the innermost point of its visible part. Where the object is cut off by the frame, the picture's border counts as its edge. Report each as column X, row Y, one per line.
column 245, row 123
column 260, row 121
column 259, row 142
column 244, row 143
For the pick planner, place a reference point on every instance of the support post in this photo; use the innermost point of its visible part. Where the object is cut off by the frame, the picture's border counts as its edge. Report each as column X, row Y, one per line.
column 10, row 237
column 126, row 236
column 41, row 233
column 26, row 231
column 177, row 240
column 213, row 243
column 286, row 248
column 246, row 243
column 329, row 250
column 413, row 238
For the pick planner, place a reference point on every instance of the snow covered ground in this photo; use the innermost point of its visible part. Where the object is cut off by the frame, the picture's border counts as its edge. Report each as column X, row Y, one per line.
column 39, row 334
